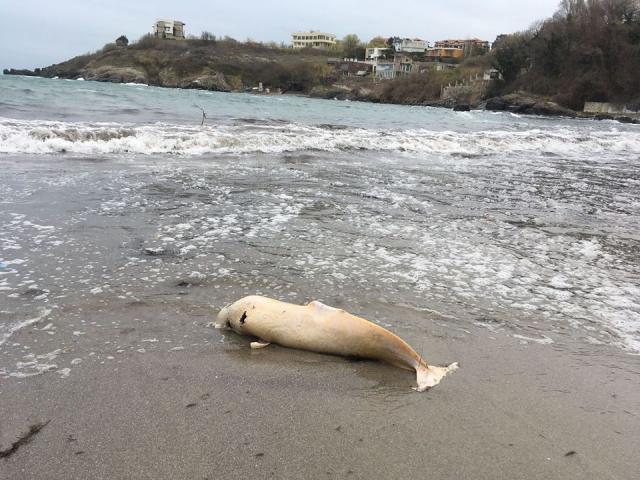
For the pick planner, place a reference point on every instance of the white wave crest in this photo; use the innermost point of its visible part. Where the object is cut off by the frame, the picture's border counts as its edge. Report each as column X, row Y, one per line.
column 43, row 137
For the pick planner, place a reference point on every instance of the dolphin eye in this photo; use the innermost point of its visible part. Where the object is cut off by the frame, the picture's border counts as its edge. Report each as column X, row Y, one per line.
column 243, row 318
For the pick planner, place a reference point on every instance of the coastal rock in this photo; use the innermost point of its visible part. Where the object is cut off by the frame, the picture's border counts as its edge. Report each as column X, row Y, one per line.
column 214, row 81
column 24, row 72
column 363, row 94
column 550, row 109
column 115, row 75
column 624, row 119
column 527, row 104
column 167, row 77
column 464, row 107
column 496, row 105
column 337, row 92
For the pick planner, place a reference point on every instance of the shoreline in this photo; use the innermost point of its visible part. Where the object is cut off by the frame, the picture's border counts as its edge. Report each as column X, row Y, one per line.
column 526, row 108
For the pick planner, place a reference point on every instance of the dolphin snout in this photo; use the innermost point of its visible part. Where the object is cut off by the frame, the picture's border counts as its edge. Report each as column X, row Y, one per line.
column 222, row 320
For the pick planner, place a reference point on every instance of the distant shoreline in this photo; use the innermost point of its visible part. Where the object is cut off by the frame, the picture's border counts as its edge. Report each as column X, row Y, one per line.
column 518, row 103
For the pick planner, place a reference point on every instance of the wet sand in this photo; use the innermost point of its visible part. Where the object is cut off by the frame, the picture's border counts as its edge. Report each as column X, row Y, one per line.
column 129, row 381
column 203, row 405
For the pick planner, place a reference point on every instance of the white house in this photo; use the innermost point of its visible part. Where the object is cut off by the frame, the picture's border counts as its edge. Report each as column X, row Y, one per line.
column 408, row 45
column 375, row 53
column 172, row 29
column 313, row 39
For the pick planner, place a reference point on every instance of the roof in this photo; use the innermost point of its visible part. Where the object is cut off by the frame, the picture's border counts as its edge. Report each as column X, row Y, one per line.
column 452, row 40
column 164, row 20
column 439, row 49
column 314, row 32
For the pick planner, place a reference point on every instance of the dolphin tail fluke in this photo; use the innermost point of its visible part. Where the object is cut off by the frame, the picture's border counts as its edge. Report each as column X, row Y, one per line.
column 430, row 376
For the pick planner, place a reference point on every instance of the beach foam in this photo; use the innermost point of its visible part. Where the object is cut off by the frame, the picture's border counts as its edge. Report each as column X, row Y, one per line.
column 525, row 224
column 7, row 331
column 44, row 137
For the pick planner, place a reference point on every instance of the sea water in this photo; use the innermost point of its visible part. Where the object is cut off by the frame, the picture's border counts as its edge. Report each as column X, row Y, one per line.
column 525, row 224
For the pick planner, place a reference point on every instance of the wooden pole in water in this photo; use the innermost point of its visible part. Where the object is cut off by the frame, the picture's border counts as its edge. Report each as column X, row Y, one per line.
column 204, row 115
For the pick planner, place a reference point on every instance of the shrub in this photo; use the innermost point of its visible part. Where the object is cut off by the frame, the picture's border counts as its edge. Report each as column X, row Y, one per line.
column 417, row 89
column 207, row 36
column 108, row 48
column 146, row 41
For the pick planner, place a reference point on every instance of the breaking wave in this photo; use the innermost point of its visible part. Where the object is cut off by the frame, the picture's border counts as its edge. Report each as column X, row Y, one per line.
column 46, row 137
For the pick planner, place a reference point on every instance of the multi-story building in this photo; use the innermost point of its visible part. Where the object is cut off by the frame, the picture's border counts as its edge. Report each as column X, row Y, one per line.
column 469, row 46
column 442, row 53
column 313, row 39
column 385, row 69
column 409, row 45
column 171, row 29
column 374, row 53
column 402, row 65
column 351, row 68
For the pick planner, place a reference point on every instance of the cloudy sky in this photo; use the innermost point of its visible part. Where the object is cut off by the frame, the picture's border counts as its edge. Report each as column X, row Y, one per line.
column 41, row 32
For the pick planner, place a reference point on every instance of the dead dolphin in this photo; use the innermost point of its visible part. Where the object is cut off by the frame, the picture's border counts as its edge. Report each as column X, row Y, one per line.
column 319, row 328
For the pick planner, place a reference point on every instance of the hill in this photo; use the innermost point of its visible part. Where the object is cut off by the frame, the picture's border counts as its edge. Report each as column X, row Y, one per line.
column 222, row 65
column 588, row 51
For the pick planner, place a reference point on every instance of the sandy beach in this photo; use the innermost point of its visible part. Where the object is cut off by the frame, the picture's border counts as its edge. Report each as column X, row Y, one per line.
column 220, row 410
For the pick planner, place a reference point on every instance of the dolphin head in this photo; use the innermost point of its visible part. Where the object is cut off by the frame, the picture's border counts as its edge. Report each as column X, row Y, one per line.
column 234, row 316
column 224, row 318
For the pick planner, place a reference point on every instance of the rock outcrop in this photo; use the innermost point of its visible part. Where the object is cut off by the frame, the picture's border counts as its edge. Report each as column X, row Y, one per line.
column 527, row 104
column 23, row 71
column 115, row 74
column 205, row 80
column 332, row 92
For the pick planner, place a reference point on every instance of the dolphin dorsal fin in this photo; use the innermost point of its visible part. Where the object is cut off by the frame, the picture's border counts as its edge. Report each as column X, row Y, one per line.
column 317, row 304
column 322, row 307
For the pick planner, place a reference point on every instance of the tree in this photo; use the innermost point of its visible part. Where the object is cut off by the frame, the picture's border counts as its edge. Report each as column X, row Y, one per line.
column 122, row 41
column 588, row 51
column 378, row 42
column 350, row 45
column 511, row 56
column 207, row 36
column 571, row 9
column 391, row 41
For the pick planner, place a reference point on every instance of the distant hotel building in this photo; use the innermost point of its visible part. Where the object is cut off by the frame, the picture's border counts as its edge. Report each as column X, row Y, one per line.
column 467, row 46
column 313, row 39
column 171, row 29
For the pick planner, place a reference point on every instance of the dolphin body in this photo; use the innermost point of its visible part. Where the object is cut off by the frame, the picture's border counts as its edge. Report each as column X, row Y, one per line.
column 320, row 328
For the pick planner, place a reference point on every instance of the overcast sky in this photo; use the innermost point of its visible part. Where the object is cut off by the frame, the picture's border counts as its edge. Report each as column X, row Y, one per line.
column 37, row 33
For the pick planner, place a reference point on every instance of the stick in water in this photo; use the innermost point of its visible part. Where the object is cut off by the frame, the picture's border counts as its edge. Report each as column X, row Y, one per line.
column 204, row 115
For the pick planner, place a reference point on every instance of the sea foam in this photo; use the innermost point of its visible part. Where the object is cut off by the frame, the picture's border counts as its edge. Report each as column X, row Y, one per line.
column 9, row 330
column 46, row 137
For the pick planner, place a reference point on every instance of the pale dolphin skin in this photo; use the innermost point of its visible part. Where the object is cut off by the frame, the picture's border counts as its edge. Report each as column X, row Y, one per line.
column 319, row 328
